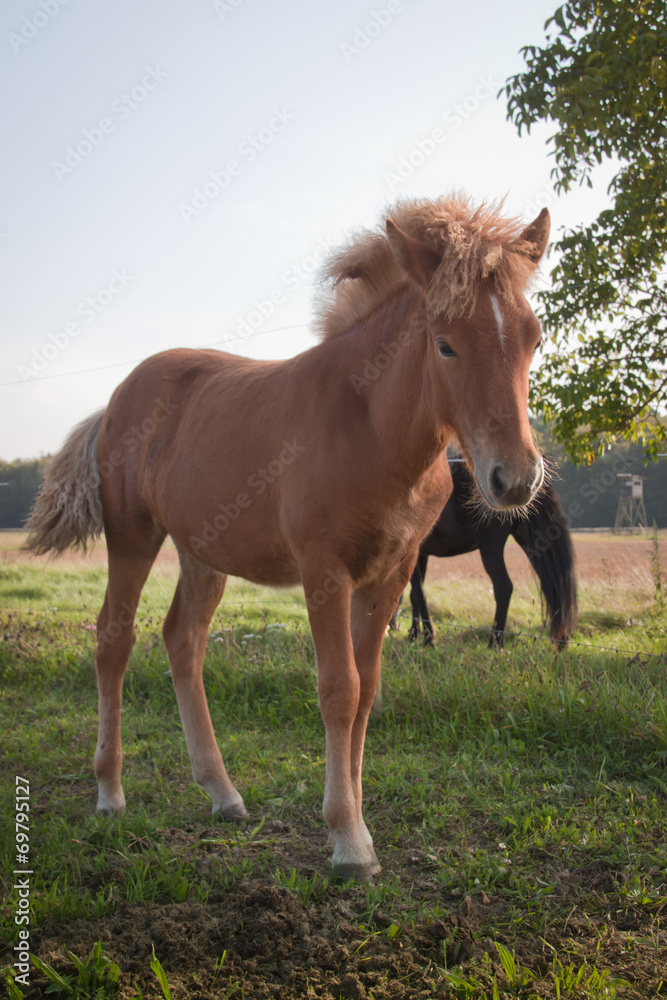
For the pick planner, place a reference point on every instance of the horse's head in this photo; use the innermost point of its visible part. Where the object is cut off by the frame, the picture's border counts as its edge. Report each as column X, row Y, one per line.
column 482, row 334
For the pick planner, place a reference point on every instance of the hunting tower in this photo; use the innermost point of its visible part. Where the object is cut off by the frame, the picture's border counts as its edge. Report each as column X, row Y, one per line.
column 631, row 513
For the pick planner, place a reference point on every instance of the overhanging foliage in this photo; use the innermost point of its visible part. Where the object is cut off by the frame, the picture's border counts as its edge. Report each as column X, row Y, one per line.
column 602, row 78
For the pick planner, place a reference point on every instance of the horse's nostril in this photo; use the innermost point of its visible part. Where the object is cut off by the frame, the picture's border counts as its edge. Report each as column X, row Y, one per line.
column 534, row 483
column 497, row 481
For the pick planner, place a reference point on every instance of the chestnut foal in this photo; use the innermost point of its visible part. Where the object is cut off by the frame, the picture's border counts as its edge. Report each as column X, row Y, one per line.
column 326, row 469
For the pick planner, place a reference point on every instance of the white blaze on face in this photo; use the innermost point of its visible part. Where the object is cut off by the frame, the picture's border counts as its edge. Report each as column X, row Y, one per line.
column 500, row 319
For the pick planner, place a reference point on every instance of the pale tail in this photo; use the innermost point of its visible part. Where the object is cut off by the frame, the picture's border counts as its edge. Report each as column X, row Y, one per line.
column 68, row 510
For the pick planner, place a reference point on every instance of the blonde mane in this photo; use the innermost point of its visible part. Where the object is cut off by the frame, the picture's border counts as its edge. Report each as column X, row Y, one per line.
column 473, row 244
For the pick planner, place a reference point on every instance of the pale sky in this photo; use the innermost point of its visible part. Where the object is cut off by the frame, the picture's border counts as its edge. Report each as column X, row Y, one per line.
column 174, row 172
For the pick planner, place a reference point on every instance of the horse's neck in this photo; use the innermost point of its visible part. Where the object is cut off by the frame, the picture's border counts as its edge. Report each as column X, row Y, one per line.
column 401, row 391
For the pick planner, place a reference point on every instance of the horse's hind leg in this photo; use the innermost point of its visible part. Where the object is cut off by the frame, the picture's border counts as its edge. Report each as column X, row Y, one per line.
column 129, row 565
column 420, row 612
column 185, row 634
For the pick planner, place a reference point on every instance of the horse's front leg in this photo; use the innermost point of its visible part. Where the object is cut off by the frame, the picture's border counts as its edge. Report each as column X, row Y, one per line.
column 328, row 599
column 371, row 612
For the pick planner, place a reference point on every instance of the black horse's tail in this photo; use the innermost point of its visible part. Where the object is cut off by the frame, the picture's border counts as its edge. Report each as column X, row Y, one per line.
column 545, row 538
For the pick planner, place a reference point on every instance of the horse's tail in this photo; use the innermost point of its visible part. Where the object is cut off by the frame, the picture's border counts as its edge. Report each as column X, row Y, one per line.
column 68, row 510
column 545, row 538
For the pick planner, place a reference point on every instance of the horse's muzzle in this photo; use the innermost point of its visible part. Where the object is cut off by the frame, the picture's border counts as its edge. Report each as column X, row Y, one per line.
column 504, row 488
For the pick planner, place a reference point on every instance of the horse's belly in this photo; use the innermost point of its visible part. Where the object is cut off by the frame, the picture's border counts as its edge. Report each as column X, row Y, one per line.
column 241, row 549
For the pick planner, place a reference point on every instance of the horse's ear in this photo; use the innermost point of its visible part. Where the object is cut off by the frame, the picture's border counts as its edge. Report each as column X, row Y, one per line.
column 537, row 233
column 417, row 260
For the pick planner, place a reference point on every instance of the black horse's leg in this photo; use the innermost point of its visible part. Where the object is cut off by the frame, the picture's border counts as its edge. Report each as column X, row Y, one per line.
column 418, row 601
column 493, row 559
column 393, row 622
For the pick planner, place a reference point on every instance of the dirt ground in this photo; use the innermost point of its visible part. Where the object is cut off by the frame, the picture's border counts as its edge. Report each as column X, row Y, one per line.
column 278, row 946
column 625, row 559
column 600, row 556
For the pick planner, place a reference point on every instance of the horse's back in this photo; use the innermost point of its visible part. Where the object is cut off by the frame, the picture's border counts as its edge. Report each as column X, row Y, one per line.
column 195, row 440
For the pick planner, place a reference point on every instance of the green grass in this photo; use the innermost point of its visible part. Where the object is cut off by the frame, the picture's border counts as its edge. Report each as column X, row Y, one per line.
column 532, row 780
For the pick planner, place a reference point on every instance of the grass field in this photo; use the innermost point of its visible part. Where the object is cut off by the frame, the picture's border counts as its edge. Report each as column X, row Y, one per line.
column 517, row 799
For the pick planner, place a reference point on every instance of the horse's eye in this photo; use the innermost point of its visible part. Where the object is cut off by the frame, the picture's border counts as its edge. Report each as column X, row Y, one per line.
column 537, row 346
column 445, row 349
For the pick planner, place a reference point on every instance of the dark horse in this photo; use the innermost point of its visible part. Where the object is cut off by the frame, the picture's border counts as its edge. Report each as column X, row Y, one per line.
column 543, row 535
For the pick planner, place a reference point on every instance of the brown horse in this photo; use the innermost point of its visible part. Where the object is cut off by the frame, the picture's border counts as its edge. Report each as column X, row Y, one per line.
column 326, row 469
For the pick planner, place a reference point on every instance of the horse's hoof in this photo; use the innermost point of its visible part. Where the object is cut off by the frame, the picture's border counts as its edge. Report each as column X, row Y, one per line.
column 109, row 812
column 360, row 873
column 234, row 813
column 110, row 806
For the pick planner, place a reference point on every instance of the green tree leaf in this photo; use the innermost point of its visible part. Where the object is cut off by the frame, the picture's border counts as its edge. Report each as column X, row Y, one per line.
column 603, row 81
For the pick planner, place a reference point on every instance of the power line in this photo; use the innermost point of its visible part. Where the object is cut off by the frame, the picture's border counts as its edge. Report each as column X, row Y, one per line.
column 226, row 340
column 81, row 371
column 118, row 364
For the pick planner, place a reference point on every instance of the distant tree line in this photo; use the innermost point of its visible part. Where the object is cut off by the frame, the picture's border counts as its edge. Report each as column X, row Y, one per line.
column 19, row 482
column 589, row 494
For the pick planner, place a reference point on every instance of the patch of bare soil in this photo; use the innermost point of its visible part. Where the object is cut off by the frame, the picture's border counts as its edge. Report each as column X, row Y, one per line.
column 279, row 946
column 95, row 556
column 621, row 559
column 624, row 560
